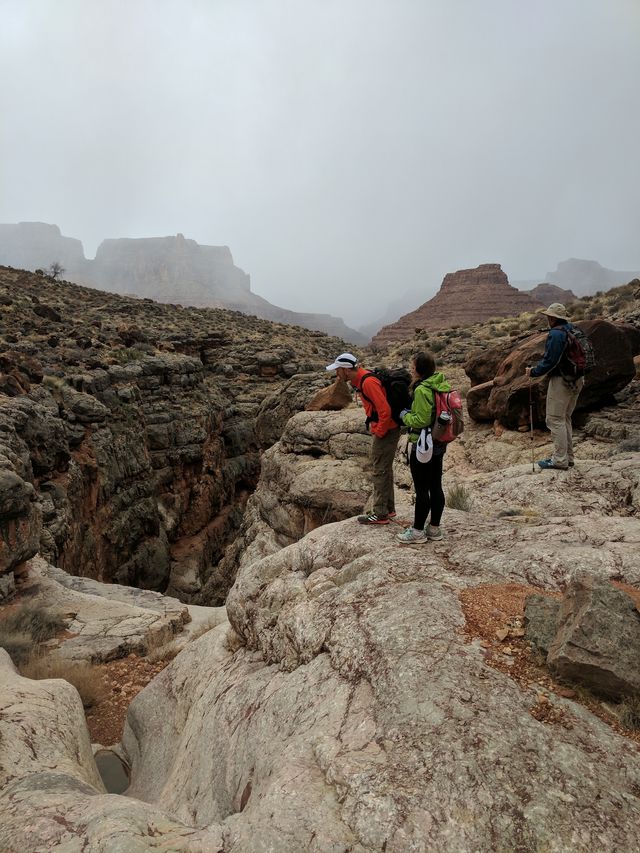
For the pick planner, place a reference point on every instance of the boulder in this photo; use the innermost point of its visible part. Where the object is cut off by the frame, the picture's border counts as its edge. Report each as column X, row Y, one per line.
column 17, row 372
column 477, row 400
column 598, row 639
column 508, row 400
column 333, row 398
column 541, row 621
column 47, row 312
column 482, row 366
column 15, row 494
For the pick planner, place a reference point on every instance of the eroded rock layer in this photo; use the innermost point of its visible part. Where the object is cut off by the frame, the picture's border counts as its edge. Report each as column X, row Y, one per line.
column 127, row 443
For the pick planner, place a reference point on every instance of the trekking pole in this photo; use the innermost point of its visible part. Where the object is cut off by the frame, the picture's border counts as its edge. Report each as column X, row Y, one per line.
column 533, row 466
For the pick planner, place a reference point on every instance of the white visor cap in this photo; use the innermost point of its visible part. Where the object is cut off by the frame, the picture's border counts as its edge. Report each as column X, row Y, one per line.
column 344, row 360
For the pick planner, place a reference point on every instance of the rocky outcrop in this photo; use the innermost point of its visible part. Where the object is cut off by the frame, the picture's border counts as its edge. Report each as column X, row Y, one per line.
column 500, row 390
column 465, row 297
column 166, row 269
column 129, row 450
column 319, row 472
column 292, row 397
column 104, row 622
column 345, row 705
column 350, row 614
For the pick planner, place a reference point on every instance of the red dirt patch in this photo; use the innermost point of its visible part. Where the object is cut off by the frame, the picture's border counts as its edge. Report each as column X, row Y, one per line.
column 494, row 615
column 123, row 680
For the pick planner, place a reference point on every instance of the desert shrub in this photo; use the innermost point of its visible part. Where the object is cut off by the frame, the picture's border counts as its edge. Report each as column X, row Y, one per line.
column 437, row 346
column 17, row 644
column 85, row 677
column 24, row 629
column 53, row 382
column 125, row 355
column 629, row 711
column 458, row 497
column 166, row 652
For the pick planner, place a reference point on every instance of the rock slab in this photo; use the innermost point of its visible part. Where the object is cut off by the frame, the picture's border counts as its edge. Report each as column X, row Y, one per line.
column 598, row 639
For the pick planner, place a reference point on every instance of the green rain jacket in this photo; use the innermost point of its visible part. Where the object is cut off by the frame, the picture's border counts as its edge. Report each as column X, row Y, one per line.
column 423, row 411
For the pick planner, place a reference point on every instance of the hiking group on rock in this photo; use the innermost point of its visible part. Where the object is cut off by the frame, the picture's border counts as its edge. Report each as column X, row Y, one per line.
column 424, row 452
column 431, row 411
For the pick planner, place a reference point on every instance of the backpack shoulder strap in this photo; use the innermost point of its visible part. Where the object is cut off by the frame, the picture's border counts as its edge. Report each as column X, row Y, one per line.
column 361, row 389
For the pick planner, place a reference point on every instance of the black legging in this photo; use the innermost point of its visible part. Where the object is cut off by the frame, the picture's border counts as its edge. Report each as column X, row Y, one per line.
column 427, row 480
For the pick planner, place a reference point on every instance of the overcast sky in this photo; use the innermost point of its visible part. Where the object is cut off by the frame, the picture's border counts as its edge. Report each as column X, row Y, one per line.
column 347, row 151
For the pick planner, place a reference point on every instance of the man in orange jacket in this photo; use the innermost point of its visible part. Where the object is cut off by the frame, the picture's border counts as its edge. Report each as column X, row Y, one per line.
column 385, row 432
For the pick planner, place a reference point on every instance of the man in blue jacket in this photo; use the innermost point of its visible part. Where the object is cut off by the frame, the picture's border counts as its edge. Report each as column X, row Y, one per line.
column 562, row 393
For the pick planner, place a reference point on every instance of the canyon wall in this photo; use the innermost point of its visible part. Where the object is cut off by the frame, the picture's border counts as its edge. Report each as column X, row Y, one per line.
column 166, row 269
column 128, row 451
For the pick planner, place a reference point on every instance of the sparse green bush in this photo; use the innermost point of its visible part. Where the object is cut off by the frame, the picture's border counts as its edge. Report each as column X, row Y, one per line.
column 458, row 497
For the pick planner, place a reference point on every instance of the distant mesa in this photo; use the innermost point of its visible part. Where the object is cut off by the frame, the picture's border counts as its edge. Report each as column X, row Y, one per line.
column 166, row 269
column 587, row 277
column 465, row 297
column 548, row 293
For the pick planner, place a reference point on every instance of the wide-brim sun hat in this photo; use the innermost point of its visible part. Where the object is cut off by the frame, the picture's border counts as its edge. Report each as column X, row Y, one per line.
column 344, row 360
column 557, row 310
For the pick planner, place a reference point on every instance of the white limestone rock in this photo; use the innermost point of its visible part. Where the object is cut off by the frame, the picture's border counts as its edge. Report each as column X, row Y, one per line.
column 51, row 796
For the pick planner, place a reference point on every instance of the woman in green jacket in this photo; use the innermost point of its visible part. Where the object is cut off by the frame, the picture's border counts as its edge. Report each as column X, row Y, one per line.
column 427, row 476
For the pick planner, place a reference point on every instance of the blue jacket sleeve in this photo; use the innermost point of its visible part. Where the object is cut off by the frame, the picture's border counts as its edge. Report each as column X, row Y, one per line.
column 556, row 341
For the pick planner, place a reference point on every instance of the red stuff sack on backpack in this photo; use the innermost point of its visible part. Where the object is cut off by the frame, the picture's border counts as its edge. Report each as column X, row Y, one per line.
column 451, row 403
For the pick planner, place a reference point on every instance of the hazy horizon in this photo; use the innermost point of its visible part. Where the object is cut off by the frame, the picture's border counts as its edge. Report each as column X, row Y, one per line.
column 346, row 152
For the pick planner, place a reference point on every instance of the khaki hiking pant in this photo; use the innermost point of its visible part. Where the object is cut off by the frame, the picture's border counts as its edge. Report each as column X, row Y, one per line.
column 561, row 401
column 383, row 451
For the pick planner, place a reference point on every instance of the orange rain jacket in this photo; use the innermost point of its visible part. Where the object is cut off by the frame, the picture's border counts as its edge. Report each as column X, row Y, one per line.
column 378, row 409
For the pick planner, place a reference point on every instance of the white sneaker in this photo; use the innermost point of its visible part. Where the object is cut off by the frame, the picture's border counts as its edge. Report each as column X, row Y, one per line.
column 433, row 532
column 411, row 536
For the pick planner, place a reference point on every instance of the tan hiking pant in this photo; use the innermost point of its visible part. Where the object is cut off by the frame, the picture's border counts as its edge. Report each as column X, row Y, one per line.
column 561, row 401
column 383, row 451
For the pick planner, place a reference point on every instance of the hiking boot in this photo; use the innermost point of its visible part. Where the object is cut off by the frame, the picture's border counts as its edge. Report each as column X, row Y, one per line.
column 411, row 536
column 433, row 533
column 391, row 514
column 372, row 518
column 546, row 464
